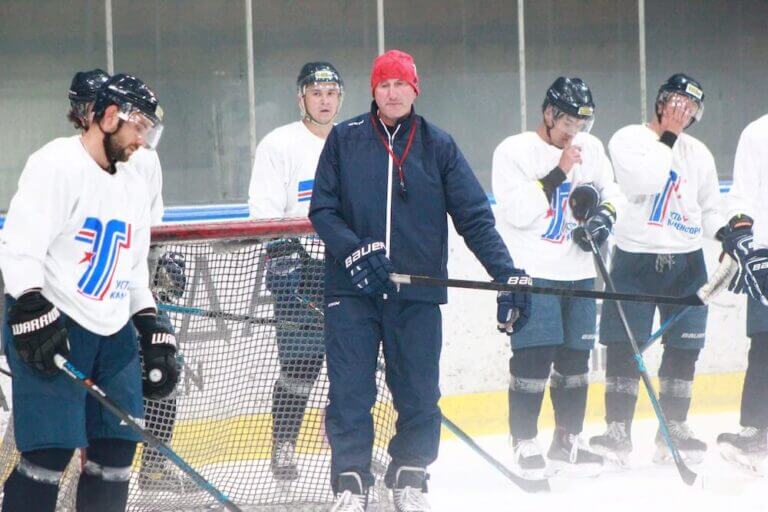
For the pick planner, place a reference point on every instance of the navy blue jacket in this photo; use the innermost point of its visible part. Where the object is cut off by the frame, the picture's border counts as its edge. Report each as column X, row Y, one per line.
column 350, row 203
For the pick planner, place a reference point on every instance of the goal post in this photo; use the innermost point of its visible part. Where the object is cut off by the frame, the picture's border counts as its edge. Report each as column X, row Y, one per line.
column 245, row 299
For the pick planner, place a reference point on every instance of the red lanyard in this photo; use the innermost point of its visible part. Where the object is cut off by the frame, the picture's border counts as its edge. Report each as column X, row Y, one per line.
column 399, row 162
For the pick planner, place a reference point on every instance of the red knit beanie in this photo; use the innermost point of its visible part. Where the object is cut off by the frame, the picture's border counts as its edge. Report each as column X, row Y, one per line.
column 394, row 64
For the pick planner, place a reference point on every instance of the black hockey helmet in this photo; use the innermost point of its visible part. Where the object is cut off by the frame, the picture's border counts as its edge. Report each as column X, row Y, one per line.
column 685, row 85
column 571, row 96
column 318, row 72
column 133, row 97
column 85, row 85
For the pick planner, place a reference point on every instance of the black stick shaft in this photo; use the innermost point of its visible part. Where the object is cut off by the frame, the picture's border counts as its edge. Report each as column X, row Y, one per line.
column 524, row 483
column 688, row 476
column 76, row 375
column 691, row 300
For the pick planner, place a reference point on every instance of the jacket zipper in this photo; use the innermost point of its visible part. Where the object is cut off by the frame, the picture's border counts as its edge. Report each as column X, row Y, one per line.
column 390, row 139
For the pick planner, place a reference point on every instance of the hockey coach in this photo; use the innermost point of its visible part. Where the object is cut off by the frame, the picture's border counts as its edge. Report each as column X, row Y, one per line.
column 385, row 181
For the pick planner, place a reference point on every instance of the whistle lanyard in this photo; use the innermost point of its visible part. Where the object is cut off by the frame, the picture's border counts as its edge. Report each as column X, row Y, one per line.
column 399, row 162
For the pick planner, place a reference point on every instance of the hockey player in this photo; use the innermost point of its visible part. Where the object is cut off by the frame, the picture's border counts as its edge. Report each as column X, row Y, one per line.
column 281, row 187
column 671, row 185
column 385, row 183
column 156, row 472
column 534, row 176
column 746, row 201
column 74, row 259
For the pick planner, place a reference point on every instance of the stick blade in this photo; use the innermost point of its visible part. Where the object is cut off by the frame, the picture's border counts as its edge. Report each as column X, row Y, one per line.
column 688, row 476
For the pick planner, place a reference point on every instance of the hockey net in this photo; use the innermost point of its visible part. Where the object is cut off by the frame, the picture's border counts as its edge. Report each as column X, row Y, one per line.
column 249, row 321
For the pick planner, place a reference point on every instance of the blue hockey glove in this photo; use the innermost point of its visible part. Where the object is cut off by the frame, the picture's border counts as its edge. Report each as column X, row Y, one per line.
column 38, row 332
column 513, row 309
column 598, row 225
column 158, row 350
column 737, row 238
column 369, row 268
column 170, row 279
column 756, row 276
column 584, row 200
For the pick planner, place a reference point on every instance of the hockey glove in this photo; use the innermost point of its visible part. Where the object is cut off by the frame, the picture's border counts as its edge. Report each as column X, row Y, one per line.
column 170, row 277
column 369, row 268
column 584, row 201
column 158, row 348
column 38, row 332
column 598, row 226
column 756, row 276
column 514, row 308
column 737, row 238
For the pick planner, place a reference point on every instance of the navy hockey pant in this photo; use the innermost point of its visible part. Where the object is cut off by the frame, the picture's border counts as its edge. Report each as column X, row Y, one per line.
column 411, row 333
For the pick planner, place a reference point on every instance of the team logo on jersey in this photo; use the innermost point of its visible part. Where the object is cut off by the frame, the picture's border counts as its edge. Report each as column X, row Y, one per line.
column 557, row 231
column 105, row 245
column 668, row 209
column 305, row 190
column 661, row 202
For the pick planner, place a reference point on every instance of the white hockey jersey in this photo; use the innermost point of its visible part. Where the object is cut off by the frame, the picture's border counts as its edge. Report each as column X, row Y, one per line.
column 147, row 164
column 80, row 234
column 673, row 195
column 536, row 231
column 284, row 172
column 750, row 179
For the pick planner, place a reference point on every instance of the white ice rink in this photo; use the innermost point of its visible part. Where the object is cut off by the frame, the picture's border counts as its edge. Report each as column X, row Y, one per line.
column 462, row 481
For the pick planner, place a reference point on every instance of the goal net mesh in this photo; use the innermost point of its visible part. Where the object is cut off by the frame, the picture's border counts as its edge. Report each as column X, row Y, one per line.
column 246, row 302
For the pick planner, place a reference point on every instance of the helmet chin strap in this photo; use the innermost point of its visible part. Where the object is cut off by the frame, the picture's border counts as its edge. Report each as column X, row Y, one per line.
column 306, row 116
column 105, row 144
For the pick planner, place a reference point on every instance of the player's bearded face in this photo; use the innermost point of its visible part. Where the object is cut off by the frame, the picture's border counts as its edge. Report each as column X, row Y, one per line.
column 121, row 144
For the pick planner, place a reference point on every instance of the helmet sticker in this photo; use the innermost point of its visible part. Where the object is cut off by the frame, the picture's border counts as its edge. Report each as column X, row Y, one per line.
column 694, row 91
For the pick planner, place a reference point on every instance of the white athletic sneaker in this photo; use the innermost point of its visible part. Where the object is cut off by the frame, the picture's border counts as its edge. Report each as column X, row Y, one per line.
column 528, row 459
column 351, row 497
column 410, row 486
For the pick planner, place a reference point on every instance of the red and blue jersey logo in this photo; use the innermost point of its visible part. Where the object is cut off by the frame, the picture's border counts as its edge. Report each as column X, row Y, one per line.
column 105, row 245
column 556, row 232
column 662, row 202
column 305, row 190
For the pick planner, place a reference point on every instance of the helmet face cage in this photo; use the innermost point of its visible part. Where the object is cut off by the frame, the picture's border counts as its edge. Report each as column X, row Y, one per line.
column 79, row 112
column 665, row 96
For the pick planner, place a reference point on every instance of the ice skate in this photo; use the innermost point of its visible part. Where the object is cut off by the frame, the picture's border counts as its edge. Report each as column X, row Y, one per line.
column 691, row 449
column 410, row 486
column 350, row 496
column 615, row 445
column 283, row 464
column 569, row 456
column 747, row 450
column 162, row 476
column 527, row 459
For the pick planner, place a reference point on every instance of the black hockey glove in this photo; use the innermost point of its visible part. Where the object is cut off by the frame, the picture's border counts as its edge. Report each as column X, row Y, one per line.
column 598, row 226
column 369, row 268
column 513, row 309
column 738, row 239
column 38, row 332
column 170, row 279
column 584, row 200
column 158, row 349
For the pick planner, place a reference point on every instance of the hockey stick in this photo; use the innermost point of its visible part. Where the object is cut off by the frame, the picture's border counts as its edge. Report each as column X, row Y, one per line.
column 528, row 485
column 688, row 476
column 716, row 284
column 188, row 310
column 690, row 300
column 70, row 370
